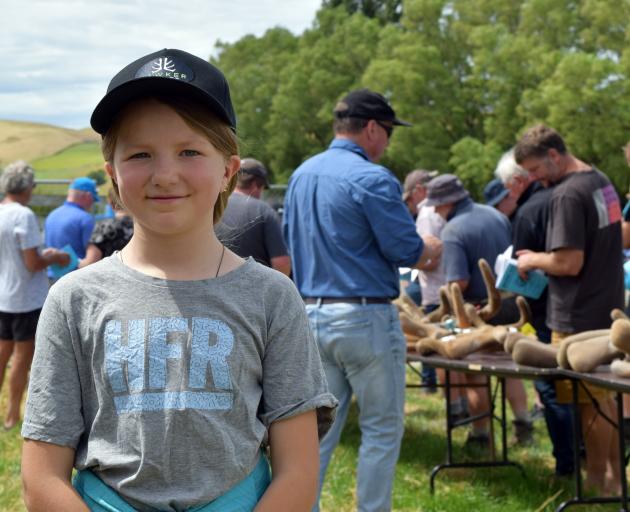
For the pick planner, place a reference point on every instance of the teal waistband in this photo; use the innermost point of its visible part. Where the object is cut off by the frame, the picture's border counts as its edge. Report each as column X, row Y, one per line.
column 244, row 496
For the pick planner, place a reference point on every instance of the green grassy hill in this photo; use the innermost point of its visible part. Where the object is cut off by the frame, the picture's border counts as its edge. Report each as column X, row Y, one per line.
column 32, row 141
column 71, row 162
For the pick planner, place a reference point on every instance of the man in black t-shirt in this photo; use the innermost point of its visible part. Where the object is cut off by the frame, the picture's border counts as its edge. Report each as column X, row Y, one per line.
column 583, row 242
column 583, row 260
column 529, row 229
column 250, row 227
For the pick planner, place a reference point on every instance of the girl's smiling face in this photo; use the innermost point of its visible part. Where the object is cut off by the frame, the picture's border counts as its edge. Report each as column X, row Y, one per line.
column 169, row 176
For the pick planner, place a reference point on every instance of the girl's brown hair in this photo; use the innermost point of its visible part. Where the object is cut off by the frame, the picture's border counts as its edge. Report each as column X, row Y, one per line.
column 202, row 120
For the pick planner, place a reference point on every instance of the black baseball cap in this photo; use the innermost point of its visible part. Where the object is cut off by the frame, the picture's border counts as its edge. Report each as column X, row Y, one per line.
column 255, row 167
column 166, row 72
column 366, row 104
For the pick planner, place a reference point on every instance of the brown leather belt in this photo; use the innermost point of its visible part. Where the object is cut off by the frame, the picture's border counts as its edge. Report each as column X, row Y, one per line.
column 347, row 300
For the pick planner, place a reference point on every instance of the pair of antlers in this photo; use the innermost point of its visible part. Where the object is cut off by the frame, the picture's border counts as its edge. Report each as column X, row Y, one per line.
column 582, row 352
column 448, row 306
column 477, row 335
column 426, row 336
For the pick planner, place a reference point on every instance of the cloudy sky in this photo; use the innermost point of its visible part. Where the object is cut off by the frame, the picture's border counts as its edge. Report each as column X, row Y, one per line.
column 59, row 55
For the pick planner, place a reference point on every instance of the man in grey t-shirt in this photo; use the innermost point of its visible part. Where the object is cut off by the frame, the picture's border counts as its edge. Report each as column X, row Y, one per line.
column 583, row 260
column 249, row 226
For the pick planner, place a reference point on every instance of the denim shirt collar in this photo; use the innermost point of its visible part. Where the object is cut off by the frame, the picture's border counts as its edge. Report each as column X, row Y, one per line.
column 349, row 145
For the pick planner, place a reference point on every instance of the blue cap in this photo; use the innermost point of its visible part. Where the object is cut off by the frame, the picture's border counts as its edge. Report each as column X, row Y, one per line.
column 495, row 192
column 86, row 185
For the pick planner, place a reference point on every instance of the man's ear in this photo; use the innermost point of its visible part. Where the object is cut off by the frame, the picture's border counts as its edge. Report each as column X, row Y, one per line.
column 371, row 128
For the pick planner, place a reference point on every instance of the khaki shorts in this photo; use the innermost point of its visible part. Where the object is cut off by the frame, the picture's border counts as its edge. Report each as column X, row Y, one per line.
column 564, row 388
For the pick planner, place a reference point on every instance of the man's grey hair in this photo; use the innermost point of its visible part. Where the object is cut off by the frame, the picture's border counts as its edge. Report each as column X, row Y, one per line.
column 349, row 125
column 507, row 169
column 16, row 178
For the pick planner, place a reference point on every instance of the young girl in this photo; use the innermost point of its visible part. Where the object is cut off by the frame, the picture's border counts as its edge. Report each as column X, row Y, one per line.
column 160, row 371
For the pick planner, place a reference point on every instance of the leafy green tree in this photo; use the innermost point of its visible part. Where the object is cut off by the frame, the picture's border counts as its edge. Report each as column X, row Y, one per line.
column 474, row 163
column 98, row 176
column 470, row 75
column 330, row 60
column 252, row 66
column 586, row 100
column 384, row 10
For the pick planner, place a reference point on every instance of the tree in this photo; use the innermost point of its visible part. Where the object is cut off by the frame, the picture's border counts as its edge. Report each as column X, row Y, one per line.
column 474, row 163
column 252, row 66
column 384, row 10
column 470, row 75
column 98, row 176
column 586, row 100
column 330, row 60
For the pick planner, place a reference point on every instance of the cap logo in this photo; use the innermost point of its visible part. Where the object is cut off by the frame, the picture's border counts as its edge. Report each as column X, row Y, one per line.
column 166, row 67
column 163, row 64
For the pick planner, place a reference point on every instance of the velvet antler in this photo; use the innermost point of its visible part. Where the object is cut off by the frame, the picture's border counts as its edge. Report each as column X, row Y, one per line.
column 444, row 308
column 494, row 297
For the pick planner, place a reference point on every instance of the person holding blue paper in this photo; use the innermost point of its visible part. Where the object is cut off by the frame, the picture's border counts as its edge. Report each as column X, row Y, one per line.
column 529, row 230
column 583, row 259
column 23, row 283
column 72, row 223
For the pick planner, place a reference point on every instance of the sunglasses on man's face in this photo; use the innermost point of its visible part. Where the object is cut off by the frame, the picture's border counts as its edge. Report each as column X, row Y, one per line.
column 388, row 128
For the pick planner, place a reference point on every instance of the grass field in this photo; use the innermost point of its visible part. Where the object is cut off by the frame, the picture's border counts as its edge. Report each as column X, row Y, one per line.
column 71, row 162
column 29, row 141
column 424, row 445
column 54, row 152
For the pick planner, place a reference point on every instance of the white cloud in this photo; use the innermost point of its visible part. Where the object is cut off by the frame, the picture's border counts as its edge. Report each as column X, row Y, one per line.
column 58, row 56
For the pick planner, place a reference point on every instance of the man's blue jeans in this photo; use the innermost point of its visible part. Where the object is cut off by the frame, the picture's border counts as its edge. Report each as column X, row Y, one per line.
column 363, row 353
column 559, row 419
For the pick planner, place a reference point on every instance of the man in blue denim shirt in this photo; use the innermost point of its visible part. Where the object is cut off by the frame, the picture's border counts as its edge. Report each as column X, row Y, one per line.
column 348, row 231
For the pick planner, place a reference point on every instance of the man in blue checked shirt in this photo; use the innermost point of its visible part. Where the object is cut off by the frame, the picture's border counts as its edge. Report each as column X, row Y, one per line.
column 348, row 232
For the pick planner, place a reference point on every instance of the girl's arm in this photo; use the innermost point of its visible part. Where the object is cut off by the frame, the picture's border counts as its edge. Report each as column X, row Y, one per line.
column 294, row 464
column 46, row 472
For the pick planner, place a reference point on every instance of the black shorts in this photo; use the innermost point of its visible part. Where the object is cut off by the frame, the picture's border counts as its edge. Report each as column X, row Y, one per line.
column 19, row 326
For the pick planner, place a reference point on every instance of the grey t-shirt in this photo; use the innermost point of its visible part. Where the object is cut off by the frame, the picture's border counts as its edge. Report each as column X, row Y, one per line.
column 474, row 231
column 585, row 214
column 251, row 227
column 21, row 290
column 166, row 388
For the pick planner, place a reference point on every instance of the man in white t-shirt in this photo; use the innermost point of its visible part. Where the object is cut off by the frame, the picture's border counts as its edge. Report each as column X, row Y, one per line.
column 23, row 283
column 430, row 277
